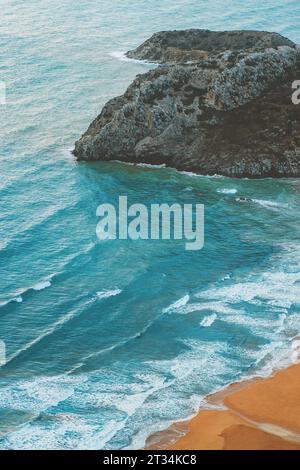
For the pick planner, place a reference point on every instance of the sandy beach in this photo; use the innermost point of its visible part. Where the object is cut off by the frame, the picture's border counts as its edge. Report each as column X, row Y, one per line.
column 258, row 415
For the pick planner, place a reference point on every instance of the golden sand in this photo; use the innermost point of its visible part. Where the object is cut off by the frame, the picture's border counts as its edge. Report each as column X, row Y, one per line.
column 258, row 415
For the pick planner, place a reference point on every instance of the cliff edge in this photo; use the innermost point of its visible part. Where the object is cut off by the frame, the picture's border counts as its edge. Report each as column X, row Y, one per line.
column 218, row 103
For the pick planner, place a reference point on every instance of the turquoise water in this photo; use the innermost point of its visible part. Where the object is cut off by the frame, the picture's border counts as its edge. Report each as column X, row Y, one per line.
column 108, row 342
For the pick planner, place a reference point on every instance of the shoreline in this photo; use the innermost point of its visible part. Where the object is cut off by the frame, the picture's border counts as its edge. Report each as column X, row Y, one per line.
column 256, row 414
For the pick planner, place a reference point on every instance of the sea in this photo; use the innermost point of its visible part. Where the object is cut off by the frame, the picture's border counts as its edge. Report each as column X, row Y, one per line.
column 109, row 341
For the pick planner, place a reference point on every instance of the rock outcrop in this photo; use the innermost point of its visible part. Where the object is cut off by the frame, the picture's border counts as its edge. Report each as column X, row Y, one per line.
column 219, row 103
column 195, row 44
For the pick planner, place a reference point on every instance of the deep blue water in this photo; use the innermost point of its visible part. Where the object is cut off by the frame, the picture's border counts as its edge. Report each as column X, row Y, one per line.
column 97, row 356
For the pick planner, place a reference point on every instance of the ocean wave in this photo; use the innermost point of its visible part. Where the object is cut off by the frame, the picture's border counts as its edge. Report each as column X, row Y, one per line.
column 262, row 202
column 44, row 216
column 209, row 320
column 75, row 432
column 121, row 55
column 67, row 155
column 42, row 285
column 63, row 320
column 108, row 293
column 11, row 181
column 276, row 289
column 295, row 350
column 150, row 165
column 52, row 329
column 24, row 173
column 140, row 165
column 227, row 191
column 266, row 305
column 20, row 294
column 114, row 346
column 191, row 368
column 188, row 370
column 271, row 204
column 218, row 306
column 39, row 393
column 69, row 430
column 38, row 339
column 178, row 304
column 198, row 175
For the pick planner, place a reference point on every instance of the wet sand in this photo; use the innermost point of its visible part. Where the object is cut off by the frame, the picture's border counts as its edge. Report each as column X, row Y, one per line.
column 258, row 415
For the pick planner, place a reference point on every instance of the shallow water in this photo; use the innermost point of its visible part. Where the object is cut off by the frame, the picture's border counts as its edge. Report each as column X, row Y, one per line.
column 107, row 342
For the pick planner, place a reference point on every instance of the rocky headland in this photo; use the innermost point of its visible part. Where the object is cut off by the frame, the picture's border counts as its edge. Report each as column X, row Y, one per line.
column 217, row 103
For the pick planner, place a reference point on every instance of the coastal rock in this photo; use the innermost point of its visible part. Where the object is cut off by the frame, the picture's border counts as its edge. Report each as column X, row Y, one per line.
column 220, row 103
column 194, row 44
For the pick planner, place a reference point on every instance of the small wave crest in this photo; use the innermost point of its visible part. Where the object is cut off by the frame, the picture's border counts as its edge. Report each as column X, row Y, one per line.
column 296, row 350
column 108, row 293
column 141, row 164
column 227, row 191
column 263, row 203
column 41, row 285
column 178, row 304
column 121, row 55
column 20, row 294
column 209, row 320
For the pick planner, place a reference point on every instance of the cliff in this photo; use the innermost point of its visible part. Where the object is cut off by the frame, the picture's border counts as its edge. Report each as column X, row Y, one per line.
column 218, row 103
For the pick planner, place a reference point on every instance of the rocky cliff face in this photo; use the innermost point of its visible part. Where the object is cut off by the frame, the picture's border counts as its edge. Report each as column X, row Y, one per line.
column 219, row 103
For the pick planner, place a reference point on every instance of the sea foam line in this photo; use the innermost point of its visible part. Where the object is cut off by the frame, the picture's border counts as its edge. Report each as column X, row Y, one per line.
column 108, row 293
column 178, row 304
column 36, row 287
column 121, row 55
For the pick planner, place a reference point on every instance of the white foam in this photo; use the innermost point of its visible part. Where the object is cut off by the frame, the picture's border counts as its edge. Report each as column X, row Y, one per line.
column 141, row 165
column 67, row 432
column 76, row 431
column 180, row 398
column 264, row 203
column 17, row 298
column 276, row 288
column 130, row 403
column 151, row 165
column 209, row 320
column 38, row 393
column 41, row 285
column 178, row 304
column 188, row 370
column 48, row 332
column 295, row 350
column 121, row 55
column 67, row 155
column 269, row 204
column 220, row 307
column 199, row 175
column 108, row 293
column 190, row 173
column 262, row 326
column 19, row 293
column 227, row 191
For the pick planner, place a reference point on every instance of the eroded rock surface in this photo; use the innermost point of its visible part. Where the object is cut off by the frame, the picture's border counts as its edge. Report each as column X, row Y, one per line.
column 219, row 103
